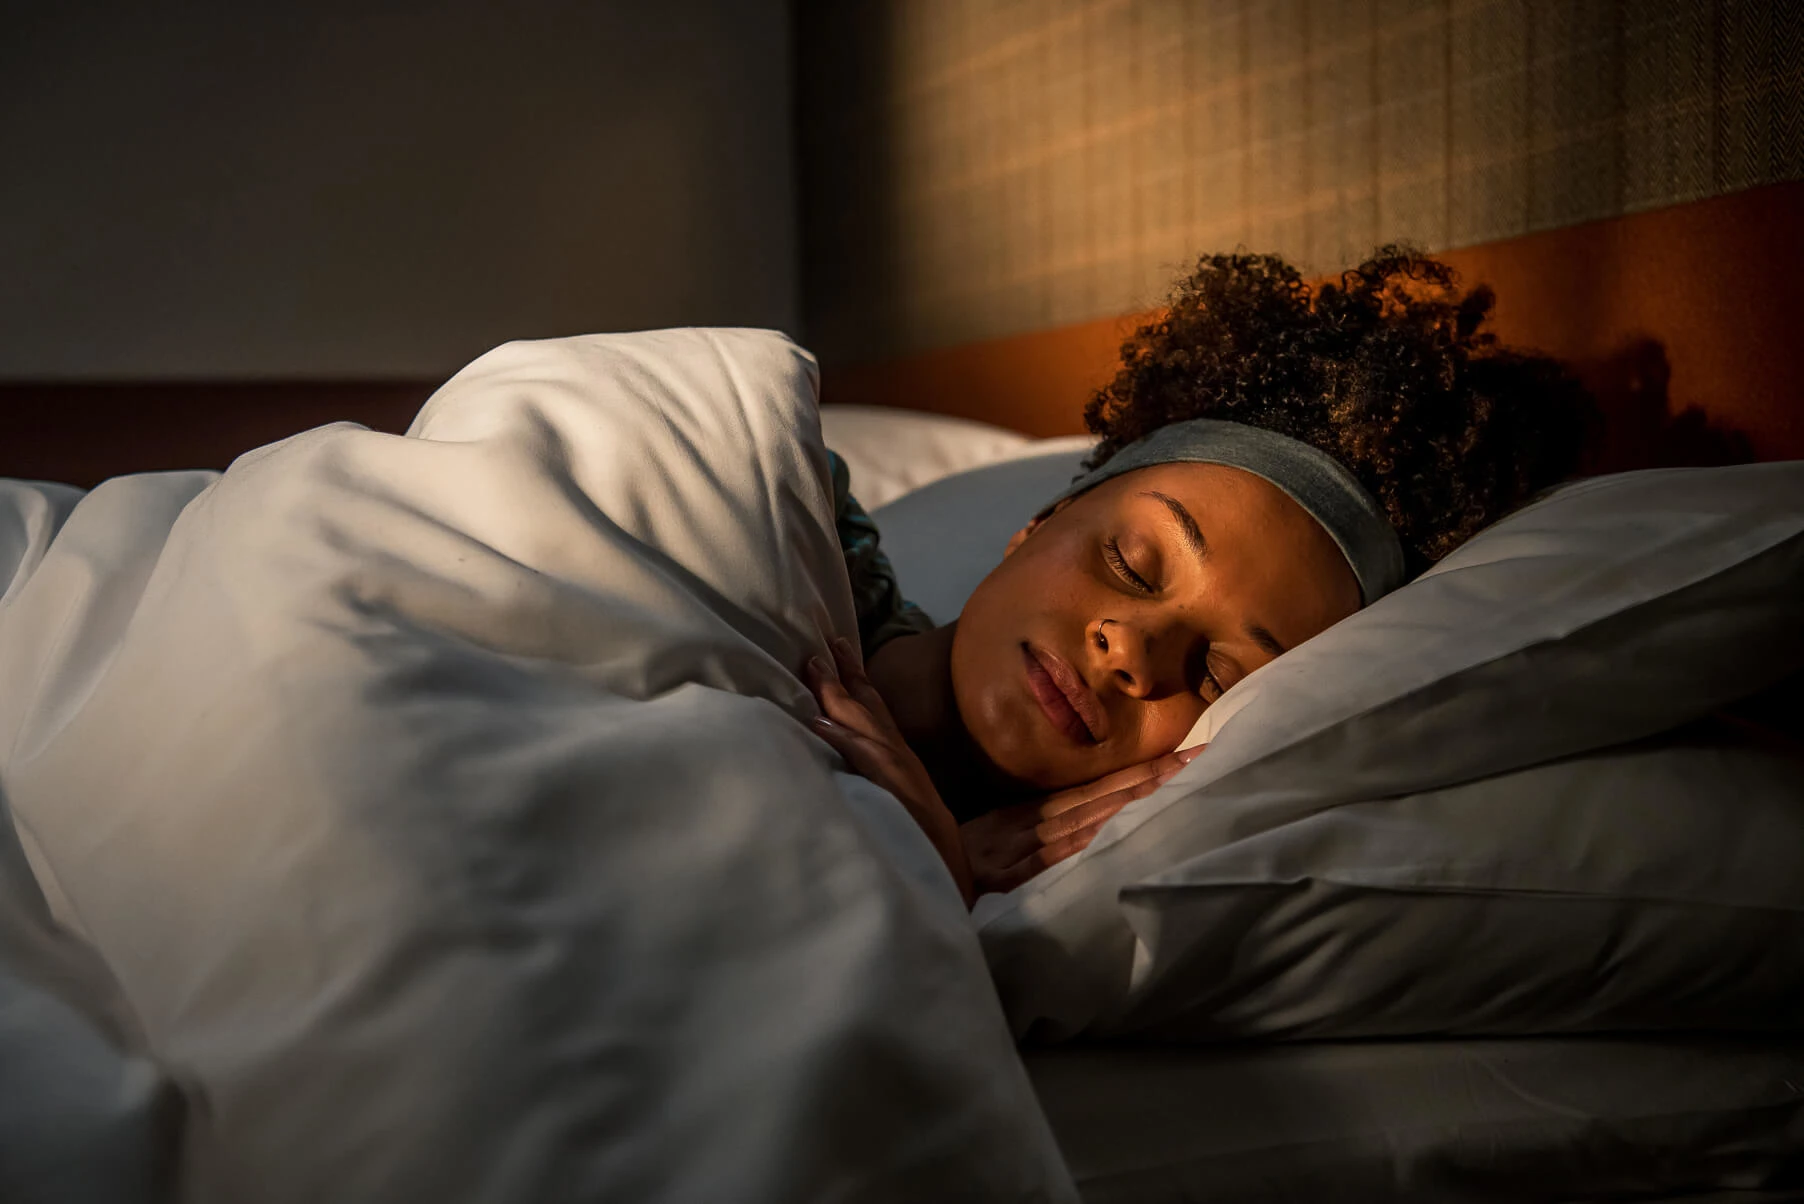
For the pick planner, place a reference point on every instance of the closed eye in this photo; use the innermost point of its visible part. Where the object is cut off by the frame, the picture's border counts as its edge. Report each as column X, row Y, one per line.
column 1118, row 562
column 1208, row 684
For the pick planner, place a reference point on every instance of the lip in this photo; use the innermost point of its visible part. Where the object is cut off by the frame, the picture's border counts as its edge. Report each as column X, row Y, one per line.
column 1070, row 705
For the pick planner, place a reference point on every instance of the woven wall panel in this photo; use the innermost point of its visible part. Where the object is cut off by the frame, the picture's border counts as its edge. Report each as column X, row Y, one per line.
column 979, row 168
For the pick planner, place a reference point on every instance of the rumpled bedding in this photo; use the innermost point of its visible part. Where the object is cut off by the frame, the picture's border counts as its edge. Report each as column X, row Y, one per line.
column 439, row 812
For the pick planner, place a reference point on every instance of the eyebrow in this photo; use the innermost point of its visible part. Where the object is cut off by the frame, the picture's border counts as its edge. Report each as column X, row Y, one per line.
column 1266, row 640
column 1193, row 534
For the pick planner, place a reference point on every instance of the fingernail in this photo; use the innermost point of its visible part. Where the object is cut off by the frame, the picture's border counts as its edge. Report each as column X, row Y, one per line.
column 824, row 723
column 842, row 645
column 819, row 667
column 1187, row 755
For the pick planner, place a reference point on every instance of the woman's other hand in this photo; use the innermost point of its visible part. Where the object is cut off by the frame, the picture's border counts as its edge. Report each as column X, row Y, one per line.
column 855, row 721
column 1006, row 847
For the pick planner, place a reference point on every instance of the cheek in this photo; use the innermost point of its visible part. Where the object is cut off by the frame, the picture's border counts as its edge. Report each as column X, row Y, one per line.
column 1029, row 596
column 986, row 661
column 986, row 630
column 994, row 713
column 1166, row 723
column 1043, row 581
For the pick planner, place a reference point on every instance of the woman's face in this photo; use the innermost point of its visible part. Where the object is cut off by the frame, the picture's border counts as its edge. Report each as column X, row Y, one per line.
column 1110, row 625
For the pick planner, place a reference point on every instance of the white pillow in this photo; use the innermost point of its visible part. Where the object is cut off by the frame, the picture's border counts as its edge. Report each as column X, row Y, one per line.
column 441, row 808
column 890, row 452
column 1658, row 885
column 945, row 538
column 1617, row 608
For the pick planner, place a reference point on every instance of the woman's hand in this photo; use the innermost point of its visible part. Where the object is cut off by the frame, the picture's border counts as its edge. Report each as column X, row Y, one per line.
column 1007, row 847
column 855, row 721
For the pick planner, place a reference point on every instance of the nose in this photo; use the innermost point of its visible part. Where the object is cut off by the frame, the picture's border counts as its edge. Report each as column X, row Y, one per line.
column 1143, row 665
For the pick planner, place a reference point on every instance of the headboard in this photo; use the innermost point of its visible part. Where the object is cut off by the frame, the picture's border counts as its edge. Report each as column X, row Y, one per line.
column 1682, row 320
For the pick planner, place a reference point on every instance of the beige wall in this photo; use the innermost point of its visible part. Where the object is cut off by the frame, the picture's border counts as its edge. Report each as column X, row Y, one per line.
column 383, row 188
column 979, row 168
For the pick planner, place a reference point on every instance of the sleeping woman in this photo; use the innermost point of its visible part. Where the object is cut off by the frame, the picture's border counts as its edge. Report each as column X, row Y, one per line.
column 1273, row 457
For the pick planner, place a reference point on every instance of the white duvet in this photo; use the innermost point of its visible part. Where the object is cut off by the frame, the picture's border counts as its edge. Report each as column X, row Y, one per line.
column 439, row 810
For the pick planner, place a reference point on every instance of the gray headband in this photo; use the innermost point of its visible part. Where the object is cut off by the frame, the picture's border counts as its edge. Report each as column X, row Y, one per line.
column 1312, row 479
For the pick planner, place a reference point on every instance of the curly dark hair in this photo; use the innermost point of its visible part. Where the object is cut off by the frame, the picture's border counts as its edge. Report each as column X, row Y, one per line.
column 1386, row 369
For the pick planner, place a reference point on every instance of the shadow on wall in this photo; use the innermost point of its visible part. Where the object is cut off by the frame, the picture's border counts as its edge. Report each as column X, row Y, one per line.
column 855, row 255
column 1639, row 430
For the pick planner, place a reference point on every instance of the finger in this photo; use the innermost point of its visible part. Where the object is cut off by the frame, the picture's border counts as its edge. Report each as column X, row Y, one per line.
column 854, row 746
column 1159, row 767
column 843, row 709
column 1003, row 836
column 821, row 681
column 861, row 704
column 845, row 657
column 1042, row 858
column 1097, row 811
column 857, row 681
column 1092, row 814
column 1121, row 779
column 878, row 762
column 1068, row 846
column 847, row 662
column 816, row 673
column 838, row 704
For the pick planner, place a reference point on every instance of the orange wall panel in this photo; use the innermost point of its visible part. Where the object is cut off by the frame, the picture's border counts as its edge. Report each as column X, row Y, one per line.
column 1688, row 308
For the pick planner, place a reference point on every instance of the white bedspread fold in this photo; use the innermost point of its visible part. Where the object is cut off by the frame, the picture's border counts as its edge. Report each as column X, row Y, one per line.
column 440, row 808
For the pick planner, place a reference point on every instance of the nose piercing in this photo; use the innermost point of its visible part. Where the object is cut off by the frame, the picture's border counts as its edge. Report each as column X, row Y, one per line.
column 1102, row 639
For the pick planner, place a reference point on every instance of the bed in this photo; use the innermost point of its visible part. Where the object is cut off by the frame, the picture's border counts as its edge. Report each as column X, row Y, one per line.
column 437, row 922
column 1665, row 1116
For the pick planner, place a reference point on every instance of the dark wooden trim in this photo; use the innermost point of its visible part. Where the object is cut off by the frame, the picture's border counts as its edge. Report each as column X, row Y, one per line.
column 82, row 433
